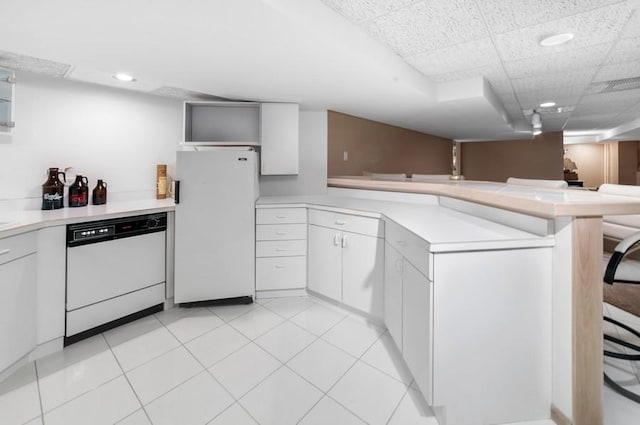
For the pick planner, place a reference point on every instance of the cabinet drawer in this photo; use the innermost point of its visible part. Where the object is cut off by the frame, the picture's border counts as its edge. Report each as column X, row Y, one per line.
column 347, row 222
column 281, row 215
column 281, row 273
column 281, row 248
column 18, row 246
column 271, row 232
column 413, row 248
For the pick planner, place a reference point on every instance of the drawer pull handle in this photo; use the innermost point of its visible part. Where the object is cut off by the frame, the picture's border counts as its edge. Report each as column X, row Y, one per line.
column 281, row 233
column 278, row 266
column 281, row 216
column 280, row 250
column 402, row 243
column 341, row 222
column 5, row 251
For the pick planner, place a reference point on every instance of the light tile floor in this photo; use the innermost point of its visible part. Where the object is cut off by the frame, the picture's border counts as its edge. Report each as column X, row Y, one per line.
column 282, row 361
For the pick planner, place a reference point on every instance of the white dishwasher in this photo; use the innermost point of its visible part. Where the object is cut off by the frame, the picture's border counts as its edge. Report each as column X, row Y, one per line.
column 115, row 273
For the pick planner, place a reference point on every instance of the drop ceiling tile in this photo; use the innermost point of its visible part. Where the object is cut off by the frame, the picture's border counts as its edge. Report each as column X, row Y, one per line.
column 426, row 26
column 532, row 102
column 364, row 10
column 504, row 16
column 551, row 94
column 576, row 79
column 619, row 71
column 630, row 97
column 32, row 64
column 632, row 29
column 625, row 50
column 587, row 57
column 590, row 28
column 480, row 53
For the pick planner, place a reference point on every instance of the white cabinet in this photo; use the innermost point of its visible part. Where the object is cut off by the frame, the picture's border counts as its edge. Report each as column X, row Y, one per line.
column 281, row 250
column 51, row 283
column 417, row 311
column 362, row 273
column 272, row 126
column 393, row 269
column 18, row 262
column 279, row 138
column 325, row 262
column 344, row 265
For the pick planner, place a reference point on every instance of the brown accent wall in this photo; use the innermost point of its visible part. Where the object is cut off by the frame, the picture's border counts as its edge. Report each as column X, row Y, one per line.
column 627, row 162
column 540, row 158
column 381, row 148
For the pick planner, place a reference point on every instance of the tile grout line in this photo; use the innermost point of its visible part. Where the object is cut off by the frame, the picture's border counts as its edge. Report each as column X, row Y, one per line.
column 35, row 367
column 128, row 382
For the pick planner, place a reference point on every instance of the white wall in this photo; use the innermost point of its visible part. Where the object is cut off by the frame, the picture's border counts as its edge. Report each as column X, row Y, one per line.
column 312, row 173
column 116, row 135
column 119, row 136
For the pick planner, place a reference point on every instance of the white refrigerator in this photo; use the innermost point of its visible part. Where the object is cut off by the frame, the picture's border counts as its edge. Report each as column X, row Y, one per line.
column 216, row 190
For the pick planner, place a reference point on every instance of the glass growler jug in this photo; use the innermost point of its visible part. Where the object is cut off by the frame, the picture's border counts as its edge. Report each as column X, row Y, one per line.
column 53, row 190
column 99, row 196
column 79, row 192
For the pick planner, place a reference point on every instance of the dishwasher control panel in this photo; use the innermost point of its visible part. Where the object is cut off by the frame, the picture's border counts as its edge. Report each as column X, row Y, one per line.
column 117, row 228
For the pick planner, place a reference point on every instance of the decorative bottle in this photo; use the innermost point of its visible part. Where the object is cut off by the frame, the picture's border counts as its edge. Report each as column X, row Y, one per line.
column 53, row 190
column 99, row 196
column 79, row 192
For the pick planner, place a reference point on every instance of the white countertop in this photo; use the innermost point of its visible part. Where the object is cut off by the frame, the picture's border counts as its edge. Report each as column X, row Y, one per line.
column 537, row 201
column 19, row 221
column 445, row 229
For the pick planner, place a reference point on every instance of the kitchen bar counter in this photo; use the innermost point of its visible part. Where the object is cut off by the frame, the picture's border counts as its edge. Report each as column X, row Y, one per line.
column 540, row 202
column 577, row 359
column 18, row 221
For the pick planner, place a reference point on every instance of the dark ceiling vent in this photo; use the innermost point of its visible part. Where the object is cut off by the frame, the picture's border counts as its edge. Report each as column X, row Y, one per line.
column 614, row 85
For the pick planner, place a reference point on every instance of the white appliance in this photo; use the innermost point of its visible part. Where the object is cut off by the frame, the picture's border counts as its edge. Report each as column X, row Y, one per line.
column 216, row 190
column 115, row 273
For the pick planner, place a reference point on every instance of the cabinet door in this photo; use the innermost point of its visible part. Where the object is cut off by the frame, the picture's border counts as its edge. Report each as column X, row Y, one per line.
column 393, row 293
column 325, row 262
column 362, row 273
column 51, row 282
column 417, row 324
column 279, row 138
column 17, row 309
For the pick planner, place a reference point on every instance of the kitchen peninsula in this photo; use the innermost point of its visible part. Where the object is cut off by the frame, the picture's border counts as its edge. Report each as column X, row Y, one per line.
column 575, row 221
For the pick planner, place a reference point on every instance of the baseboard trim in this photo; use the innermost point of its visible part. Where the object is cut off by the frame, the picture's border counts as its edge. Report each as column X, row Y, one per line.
column 558, row 417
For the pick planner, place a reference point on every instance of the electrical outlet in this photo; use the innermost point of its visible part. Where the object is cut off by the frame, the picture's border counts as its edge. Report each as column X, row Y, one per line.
column 345, row 156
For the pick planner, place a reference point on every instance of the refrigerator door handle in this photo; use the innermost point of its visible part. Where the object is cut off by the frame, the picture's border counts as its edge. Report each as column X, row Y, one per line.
column 176, row 192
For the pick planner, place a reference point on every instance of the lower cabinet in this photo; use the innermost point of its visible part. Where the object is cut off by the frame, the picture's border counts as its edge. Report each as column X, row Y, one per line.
column 18, row 265
column 325, row 262
column 51, row 285
column 346, row 266
column 393, row 265
column 417, row 325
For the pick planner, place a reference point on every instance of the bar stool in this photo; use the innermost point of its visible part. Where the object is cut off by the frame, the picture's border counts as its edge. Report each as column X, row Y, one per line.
column 627, row 271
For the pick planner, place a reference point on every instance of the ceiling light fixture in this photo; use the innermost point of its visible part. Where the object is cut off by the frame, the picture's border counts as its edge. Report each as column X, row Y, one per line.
column 556, row 39
column 124, row 77
column 537, row 132
column 547, row 104
column 536, row 120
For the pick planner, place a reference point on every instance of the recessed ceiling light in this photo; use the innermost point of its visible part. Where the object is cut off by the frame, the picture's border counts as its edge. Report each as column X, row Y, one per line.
column 547, row 104
column 556, row 39
column 124, row 77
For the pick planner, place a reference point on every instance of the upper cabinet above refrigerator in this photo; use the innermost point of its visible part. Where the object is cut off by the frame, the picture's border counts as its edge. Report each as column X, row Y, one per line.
column 271, row 126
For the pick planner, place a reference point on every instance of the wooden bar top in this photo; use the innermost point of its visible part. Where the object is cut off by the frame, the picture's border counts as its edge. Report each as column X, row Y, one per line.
column 536, row 201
